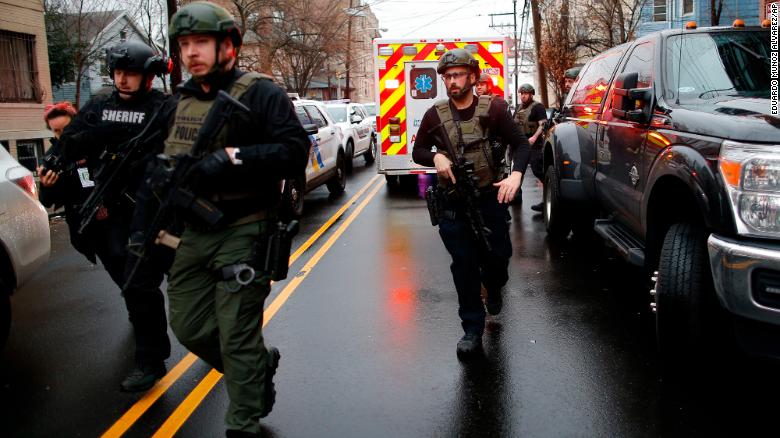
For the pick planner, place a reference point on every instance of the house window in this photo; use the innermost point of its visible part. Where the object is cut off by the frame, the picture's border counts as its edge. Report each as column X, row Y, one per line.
column 18, row 70
column 28, row 153
column 687, row 7
column 659, row 10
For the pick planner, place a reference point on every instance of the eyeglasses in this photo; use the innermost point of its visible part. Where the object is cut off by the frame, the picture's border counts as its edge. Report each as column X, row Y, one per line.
column 453, row 76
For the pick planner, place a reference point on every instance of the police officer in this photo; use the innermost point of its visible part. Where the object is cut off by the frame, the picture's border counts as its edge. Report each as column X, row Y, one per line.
column 475, row 120
column 105, row 124
column 569, row 77
column 212, row 314
column 484, row 85
column 530, row 116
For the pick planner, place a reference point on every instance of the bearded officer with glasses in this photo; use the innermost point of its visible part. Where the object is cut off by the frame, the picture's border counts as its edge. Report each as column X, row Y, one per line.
column 467, row 126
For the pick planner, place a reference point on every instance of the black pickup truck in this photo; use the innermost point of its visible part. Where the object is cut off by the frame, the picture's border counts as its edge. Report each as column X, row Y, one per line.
column 667, row 147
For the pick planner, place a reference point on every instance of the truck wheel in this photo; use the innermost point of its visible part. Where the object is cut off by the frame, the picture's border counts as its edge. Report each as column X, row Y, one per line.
column 684, row 299
column 292, row 198
column 350, row 156
column 338, row 182
column 556, row 219
column 370, row 155
column 5, row 313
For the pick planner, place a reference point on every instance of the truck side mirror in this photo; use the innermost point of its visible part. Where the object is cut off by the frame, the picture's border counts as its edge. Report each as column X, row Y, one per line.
column 629, row 102
column 355, row 118
column 311, row 129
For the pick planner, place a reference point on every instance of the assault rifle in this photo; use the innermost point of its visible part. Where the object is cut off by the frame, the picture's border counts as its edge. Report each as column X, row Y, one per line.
column 112, row 175
column 466, row 189
column 173, row 177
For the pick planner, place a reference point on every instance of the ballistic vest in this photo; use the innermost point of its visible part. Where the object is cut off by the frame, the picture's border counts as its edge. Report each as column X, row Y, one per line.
column 191, row 112
column 476, row 145
column 521, row 118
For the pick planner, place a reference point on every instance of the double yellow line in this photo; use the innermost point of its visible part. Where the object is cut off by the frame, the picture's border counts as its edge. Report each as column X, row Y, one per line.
column 191, row 402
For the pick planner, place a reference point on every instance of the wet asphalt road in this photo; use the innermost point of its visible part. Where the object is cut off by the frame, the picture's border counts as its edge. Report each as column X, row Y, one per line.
column 368, row 338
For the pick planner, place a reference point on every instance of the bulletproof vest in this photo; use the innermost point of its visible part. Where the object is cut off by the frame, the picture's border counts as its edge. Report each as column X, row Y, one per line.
column 527, row 127
column 476, row 144
column 191, row 113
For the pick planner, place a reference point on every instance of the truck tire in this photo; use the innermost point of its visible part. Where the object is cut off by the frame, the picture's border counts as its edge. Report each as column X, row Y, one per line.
column 5, row 313
column 350, row 155
column 292, row 198
column 556, row 219
column 684, row 299
column 370, row 155
column 338, row 182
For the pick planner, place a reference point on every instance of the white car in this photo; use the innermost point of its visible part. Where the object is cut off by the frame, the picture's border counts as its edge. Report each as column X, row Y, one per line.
column 358, row 130
column 25, row 241
column 327, row 160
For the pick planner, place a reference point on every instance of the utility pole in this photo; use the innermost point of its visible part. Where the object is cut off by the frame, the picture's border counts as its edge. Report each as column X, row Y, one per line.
column 514, row 26
column 349, row 48
column 541, row 74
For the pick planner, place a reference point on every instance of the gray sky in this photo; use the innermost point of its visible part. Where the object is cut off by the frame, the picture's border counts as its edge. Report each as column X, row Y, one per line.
column 442, row 18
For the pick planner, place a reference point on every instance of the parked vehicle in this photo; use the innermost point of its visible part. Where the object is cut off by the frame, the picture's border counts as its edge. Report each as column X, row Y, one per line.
column 407, row 85
column 357, row 129
column 668, row 142
column 25, row 241
column 327, row 160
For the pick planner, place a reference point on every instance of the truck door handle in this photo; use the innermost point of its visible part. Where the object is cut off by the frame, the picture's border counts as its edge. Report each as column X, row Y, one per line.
column 332, row 132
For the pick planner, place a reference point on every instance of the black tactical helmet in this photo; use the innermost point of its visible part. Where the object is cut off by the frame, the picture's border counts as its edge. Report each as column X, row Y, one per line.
column 135, row 56
column 572, row 73
column 458, row 57
column 204, row 17
column 527, row 88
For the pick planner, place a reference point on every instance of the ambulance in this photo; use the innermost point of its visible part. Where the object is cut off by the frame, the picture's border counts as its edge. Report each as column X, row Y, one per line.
column 407, row 85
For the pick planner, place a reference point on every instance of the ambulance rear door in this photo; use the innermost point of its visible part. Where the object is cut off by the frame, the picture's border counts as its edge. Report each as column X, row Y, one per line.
column 423, row 88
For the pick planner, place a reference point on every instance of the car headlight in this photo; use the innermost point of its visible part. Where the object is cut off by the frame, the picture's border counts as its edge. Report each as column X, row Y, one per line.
column 752, row 176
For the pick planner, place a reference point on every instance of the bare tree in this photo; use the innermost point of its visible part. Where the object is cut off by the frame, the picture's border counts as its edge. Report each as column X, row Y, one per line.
column 716, row 7
column 558, row 51
column 79, row 26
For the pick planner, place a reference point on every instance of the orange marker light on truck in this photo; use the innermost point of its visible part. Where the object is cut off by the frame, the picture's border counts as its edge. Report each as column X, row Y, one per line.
column 731, row 171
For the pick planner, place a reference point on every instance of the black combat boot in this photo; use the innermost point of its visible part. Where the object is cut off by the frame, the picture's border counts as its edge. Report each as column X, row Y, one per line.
column 494, row 302
column 469, row 345
column 538, row 207
column 143, row 377
column 270, row 393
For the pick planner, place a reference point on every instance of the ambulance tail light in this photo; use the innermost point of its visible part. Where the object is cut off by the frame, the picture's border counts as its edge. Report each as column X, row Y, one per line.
column 394, row 127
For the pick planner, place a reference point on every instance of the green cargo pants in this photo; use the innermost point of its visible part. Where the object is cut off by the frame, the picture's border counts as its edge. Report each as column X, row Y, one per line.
column 221, row 327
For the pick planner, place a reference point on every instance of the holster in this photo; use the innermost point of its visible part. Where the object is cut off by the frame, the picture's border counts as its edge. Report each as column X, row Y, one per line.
column 433, row 208
column 272, row 250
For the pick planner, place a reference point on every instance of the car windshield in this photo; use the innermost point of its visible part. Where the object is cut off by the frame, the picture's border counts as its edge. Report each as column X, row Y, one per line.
column 717, row 66
column 370, row 109
column 338, row 113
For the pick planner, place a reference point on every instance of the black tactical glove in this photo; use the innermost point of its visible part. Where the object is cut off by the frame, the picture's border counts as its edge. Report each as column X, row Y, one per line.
column 213, row 164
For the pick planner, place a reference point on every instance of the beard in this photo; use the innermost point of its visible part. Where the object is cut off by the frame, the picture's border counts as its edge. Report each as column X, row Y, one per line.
column 460, row 93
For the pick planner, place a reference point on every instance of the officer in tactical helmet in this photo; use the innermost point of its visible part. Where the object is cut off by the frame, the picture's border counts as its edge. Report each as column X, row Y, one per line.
column 455, row 137
column 569, row 76
column 216, row 286
column 484, row 85
column 530, row 116
column 97, row 133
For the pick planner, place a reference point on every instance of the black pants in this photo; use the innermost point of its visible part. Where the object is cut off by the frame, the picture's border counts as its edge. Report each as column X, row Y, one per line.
column 144, row 299
column 472, row 266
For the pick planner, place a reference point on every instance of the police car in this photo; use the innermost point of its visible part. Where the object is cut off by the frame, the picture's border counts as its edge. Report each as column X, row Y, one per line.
column 357, row 127
column 327, row 160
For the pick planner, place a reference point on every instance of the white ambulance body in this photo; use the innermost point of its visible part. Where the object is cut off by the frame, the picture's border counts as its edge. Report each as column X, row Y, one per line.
column 407, row 85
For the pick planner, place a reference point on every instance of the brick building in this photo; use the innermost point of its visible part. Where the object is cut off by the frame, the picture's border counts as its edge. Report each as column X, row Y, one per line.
column 25, row 84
